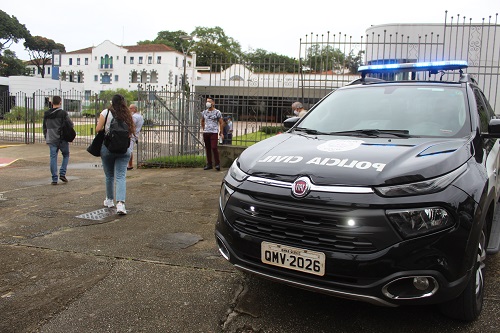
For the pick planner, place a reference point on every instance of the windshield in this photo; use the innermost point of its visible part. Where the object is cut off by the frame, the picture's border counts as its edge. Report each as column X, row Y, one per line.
column 381, row 110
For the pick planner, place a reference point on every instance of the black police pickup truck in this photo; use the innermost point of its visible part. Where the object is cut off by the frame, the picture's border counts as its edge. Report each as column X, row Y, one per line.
column 385, row 192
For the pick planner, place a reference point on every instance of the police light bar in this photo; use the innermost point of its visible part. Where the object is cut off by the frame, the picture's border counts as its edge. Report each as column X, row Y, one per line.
column 433, row 66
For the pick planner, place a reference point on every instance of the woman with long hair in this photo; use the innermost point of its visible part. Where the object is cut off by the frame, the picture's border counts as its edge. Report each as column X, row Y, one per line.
column 115, row 164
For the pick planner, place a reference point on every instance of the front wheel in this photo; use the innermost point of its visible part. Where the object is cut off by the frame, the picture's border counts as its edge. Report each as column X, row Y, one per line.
column 468, row 306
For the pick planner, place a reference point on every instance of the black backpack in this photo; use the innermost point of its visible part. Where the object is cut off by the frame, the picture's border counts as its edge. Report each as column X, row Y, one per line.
column 117, row 140
column 67, row 132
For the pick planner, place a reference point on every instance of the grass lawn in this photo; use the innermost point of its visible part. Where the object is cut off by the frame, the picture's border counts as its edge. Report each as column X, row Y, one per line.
column 81, row 130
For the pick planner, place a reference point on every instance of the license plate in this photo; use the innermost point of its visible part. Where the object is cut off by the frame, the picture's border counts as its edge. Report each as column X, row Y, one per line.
column 306, row 261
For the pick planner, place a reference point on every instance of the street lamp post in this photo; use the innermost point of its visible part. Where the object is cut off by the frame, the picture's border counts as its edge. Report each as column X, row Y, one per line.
column 184, row 105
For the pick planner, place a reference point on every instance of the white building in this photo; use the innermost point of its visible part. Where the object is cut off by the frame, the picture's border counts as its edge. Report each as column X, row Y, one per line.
column 109, row 66
column 34, row 71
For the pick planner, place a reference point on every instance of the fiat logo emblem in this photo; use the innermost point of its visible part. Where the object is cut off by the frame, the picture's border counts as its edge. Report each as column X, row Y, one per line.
column 301, row 187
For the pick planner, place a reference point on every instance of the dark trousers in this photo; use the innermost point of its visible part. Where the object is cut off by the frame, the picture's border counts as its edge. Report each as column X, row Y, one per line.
column 211, row 140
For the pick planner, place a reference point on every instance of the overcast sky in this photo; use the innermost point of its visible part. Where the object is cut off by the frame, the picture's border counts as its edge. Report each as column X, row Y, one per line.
column 275, row 26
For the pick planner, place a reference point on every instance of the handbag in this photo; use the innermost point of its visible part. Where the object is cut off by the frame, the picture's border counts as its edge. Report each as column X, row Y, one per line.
column 95, row 147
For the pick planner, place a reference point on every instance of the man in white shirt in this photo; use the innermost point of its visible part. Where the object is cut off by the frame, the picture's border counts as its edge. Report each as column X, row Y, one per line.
column 213, row 126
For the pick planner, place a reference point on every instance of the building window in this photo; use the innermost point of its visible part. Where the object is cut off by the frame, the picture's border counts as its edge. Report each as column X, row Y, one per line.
column 117, row 57
column 124, row 60
column 70, row 61
column 96, row 78
column 158, row 60
column 107, row 61
column 106, row 78
column 150, row 60
column 95, row 58
column 140, row 60
column 39, row 71
column 116, row 78
column 48, row 70
column 78, row 61
column 86, row 61
column 176, row 61
column 131, row 60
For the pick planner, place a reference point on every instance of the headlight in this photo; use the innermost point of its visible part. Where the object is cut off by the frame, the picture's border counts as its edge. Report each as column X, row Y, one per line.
column 236, row 173
column 225, row 194
column 416, row 222
column 423, row 187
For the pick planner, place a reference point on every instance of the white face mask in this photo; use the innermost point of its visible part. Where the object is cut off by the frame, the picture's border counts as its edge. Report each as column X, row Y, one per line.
column 208, row 105
column 296, row 112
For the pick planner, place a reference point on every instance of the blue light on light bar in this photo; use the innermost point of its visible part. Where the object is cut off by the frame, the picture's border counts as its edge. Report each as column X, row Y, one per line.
column 413, row 67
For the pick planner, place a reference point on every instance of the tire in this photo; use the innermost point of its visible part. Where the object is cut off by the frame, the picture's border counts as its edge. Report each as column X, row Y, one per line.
column 467, row 307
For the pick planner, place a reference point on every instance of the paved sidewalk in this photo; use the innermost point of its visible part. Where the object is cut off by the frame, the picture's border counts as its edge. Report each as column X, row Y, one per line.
column 71, row 265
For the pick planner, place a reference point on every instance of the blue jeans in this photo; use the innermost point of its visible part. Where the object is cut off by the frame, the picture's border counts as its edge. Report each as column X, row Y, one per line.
column 54, row 150
column 115, row 167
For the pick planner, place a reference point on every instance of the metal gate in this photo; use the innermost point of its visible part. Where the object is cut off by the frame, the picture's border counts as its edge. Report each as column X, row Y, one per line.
column 171, row 134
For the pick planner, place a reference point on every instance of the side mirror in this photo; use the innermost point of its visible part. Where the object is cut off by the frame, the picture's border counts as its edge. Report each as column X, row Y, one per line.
column 290, row 122
column 493, row 129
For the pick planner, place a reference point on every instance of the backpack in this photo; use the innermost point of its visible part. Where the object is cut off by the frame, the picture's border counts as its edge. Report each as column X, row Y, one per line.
column 67, row 132
column 117, row 139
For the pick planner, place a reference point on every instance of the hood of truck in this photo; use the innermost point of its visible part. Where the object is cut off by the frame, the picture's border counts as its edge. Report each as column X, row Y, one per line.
column 353, row 161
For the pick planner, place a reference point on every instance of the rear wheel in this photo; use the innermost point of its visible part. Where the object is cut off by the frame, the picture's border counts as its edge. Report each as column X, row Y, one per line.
column 469, row 304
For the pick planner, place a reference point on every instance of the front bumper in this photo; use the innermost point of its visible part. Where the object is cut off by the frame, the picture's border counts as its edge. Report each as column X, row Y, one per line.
column 382, row 272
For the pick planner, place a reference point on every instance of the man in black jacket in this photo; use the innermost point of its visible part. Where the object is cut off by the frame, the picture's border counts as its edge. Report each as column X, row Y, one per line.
column 52, row 123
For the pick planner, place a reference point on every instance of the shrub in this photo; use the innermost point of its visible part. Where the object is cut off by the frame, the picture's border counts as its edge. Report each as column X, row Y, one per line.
column 272, row 129
column 89, row 112
column 189, row 161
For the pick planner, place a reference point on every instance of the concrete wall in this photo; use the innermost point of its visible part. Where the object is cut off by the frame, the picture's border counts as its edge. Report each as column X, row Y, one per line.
column 228, row 154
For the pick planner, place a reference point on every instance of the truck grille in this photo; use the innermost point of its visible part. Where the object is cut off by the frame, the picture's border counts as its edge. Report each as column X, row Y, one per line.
column 320, row 232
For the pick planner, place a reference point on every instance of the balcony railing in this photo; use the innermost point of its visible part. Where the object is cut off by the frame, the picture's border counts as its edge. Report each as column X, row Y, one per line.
column 105, row 66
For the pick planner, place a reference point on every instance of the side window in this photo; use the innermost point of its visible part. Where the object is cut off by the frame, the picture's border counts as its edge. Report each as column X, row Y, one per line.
column 482, row 109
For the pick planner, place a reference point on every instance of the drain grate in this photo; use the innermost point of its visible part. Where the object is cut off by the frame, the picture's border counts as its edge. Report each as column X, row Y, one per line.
column 99, row 214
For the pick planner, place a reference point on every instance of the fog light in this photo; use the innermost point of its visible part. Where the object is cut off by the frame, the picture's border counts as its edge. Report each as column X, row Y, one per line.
column 411, row 287
column 421, row 283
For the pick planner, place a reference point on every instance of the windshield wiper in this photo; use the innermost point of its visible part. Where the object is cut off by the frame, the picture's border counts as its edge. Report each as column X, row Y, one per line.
column 375, row 132
column 308, row 130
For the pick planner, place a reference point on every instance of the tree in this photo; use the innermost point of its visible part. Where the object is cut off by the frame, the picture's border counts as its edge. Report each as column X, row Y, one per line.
column 11, row 31
column 107, row 95
column 260, row 60
column 321, row 59
column 217, row 36
column 169, row 38
column 40, row 51
column 10, row 65
column 354, row 61
column 209, row 44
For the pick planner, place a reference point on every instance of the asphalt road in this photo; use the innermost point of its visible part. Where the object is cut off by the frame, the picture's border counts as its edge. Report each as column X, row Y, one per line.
column 70, row 265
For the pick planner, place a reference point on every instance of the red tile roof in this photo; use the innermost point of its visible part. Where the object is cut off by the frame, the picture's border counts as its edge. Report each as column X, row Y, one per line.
column 132, row 48
column 149, row 48
column 32, row 62
column 85, row 50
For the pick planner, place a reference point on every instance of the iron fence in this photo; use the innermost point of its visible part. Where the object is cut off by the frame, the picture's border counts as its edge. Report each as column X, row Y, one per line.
column 456, row 39
column 258, row 96
column 21, row 114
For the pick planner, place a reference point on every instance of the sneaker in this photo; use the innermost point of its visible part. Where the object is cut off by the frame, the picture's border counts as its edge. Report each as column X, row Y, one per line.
column 208, row 167
column 109, row 203
column 54, row 183
column 120, row 208
column 217, row 167
column 63, row 178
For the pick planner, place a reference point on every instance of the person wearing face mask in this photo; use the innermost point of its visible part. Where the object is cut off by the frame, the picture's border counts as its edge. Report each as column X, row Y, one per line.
column 298, row 109
column 212, row 125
